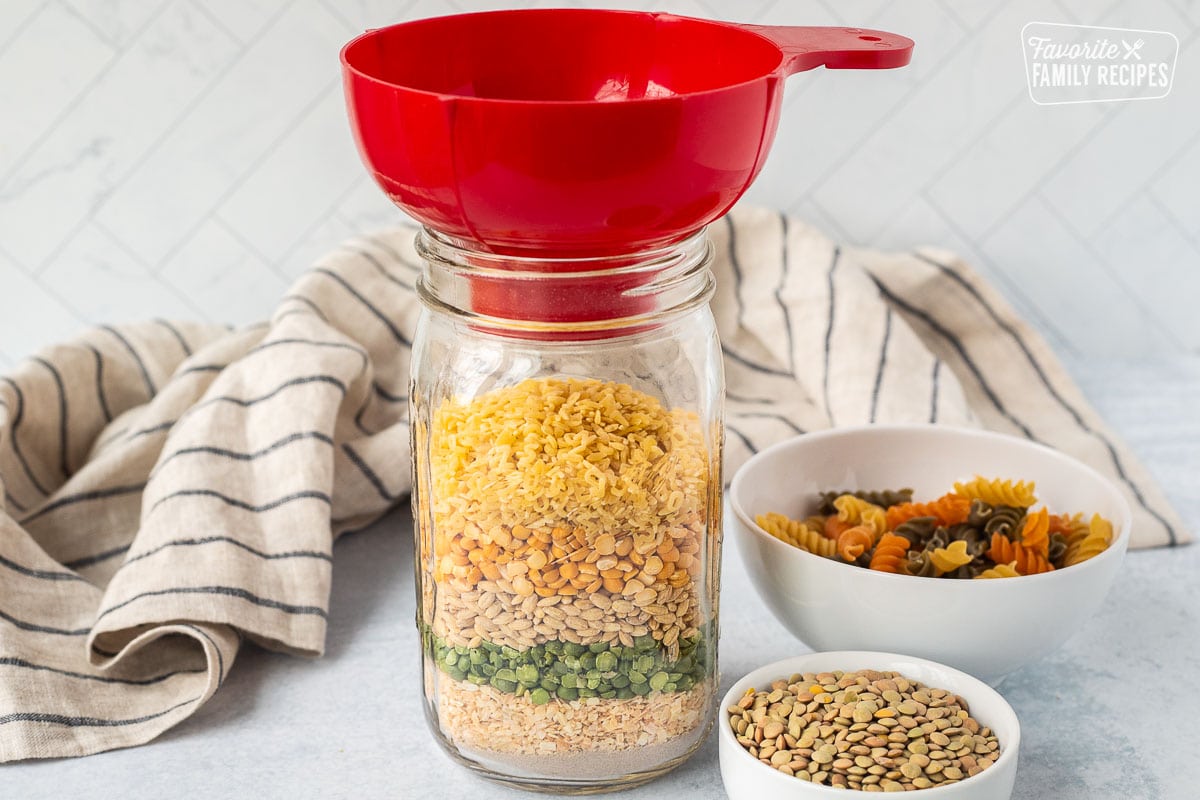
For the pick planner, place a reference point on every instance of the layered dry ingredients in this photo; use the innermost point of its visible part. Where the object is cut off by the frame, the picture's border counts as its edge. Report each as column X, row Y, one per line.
column 983, row 528
column 867, row 730
column 570, row 571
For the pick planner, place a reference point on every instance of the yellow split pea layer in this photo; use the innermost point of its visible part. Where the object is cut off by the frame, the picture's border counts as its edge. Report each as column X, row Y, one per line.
column 559, row 560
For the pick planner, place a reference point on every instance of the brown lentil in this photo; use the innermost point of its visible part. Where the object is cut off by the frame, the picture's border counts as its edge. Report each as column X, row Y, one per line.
column 865, row 730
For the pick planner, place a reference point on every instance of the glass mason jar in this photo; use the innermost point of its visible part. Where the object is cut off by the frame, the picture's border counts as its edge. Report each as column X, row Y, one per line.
column 567, row 434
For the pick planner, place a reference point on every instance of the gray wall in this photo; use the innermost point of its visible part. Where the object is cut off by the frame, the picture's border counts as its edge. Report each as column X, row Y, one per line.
column 188, row 158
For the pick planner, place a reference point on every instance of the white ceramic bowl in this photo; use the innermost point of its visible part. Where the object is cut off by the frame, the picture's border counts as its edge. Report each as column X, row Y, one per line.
column 985, row 627
column 747, row 779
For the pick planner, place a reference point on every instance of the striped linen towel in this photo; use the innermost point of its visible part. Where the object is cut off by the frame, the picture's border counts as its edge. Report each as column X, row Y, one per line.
column 173, row 489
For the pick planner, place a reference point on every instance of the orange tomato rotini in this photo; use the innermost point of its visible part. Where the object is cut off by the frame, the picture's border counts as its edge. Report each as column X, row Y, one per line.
column 833, row 527
column 891, row 551
column 1063, row 523
column 949, row 509
column 853, row 542
column 1035, row 534
column 1025, row 561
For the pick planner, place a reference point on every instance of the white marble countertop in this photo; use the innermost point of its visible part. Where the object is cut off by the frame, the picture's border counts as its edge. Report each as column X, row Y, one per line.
column 1110, row 715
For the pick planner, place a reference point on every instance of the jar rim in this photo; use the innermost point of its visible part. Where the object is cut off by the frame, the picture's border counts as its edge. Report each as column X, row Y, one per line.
column 556, row 297
column 454, row 253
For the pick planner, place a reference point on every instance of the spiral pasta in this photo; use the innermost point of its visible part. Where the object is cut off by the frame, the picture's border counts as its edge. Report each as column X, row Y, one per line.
column 1025, row 561
column 853, row 542
column 980, row 512
column 890, row 554
column 951, row 557
column 1078, row 530
column 859, row 512
column 917, row 530
column 1004, row 519
column 797, row 534
column 1057, row 550
column 1096, row 542
column 1035, row 534
column 977, row 541
column 816, row 522
column 833, row 527
column 998, row 491
column 1064, row 523
column 949, row 509
column 918, row 564
column 983, row 528
column 939, row 538
column 883, row 498
column 999, row 571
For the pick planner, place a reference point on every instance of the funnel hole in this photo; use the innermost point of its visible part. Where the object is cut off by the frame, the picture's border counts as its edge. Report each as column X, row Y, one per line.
column 870, row 38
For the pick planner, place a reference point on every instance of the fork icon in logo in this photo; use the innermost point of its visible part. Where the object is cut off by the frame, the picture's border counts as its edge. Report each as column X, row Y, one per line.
column 1131, row 50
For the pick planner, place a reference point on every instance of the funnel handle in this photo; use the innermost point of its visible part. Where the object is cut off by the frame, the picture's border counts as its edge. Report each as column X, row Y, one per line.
column 835, row 48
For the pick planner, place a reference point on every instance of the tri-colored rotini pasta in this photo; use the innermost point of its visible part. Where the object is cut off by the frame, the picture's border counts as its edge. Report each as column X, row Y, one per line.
column 998, row 491
column 999, row 571
column 1035, row 532
column 951, row 557
column 1090, row 545
column 891, row 552
column 984, row 528
column 949, row 509
column 854, row 542
column 857, row 511
column 797, row 534
column 1026, row 560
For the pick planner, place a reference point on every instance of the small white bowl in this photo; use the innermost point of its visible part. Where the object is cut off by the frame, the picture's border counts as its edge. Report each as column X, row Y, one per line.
column 985, row 627
column 746, row 778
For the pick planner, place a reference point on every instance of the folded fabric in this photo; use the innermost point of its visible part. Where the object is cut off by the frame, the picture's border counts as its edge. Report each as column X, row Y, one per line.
column 171, row 489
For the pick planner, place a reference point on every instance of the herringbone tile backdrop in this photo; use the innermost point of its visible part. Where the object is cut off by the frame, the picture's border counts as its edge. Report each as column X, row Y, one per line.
column 188, row 158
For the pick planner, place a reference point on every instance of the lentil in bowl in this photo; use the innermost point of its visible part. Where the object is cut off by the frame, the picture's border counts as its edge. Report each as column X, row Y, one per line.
column 996, row 740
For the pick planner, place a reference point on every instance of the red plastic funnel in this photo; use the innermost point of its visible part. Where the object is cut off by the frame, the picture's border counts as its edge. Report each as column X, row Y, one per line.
column 579, row 132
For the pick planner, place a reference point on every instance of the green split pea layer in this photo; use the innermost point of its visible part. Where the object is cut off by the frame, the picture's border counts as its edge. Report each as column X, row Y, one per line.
column 569, row 671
